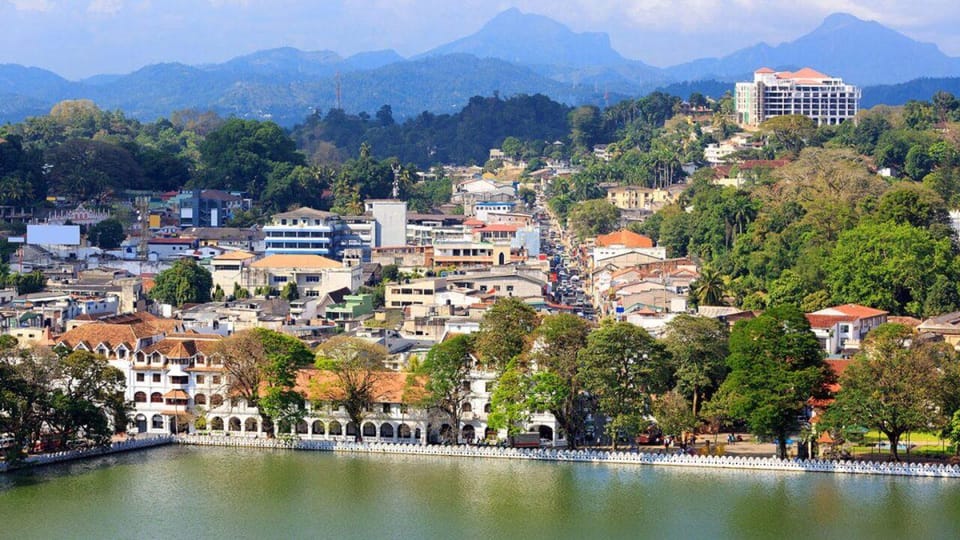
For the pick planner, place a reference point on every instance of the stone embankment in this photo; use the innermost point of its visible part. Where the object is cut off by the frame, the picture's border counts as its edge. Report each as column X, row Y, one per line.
column 70, row 455
column 593, row 456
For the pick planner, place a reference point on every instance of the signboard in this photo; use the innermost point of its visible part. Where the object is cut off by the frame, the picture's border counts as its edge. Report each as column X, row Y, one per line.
column 68, row 235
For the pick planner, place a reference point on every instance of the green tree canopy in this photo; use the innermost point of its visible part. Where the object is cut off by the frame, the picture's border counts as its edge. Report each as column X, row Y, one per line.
column 593, row 217
column 504, row 331
column 108, row 234
column 185, row 282
column 776, row 365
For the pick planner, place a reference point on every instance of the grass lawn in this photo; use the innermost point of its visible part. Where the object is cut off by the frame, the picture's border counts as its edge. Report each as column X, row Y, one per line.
column 914, row 438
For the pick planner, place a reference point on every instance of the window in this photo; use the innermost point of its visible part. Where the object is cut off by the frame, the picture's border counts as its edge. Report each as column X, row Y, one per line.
column 157, row 421
column 180, row 379
column 156, row 397
column 489, row 386
column 465, row 385
column 279, row 279
column 312, row 279
column 200, row 379
column 140, row 397
column 200, row 399
column 844, row 328
column 216, row 400
column 156, row 377
column 140, row 377
column 386, row 408
column 216, row 379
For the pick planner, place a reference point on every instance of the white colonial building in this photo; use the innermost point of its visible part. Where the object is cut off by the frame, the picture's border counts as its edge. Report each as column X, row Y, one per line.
column 824, row 99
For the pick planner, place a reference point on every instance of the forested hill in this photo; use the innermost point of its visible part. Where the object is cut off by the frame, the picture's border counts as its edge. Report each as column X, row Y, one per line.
column 463, row 137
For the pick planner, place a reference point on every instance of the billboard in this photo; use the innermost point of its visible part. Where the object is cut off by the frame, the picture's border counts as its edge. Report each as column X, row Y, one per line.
column 68, row 235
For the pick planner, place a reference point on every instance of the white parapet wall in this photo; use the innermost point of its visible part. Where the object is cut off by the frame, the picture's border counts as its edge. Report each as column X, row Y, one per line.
column 593, row 456
column 70, row 455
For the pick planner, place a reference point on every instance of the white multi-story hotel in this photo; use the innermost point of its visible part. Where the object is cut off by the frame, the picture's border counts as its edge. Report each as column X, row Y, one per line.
column 824, row 99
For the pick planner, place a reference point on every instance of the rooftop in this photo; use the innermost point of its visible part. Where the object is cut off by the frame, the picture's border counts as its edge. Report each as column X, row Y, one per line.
column 296, row 261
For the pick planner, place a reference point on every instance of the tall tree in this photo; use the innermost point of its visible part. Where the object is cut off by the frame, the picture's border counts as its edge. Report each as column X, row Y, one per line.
column 593, row 217
column 358, row 367
column 446, row 367
column 698, row 353
column 556, row 382
column 185, row 282
column 621, row 366
column 504, row 331
column 776, row 365
column 892, row 385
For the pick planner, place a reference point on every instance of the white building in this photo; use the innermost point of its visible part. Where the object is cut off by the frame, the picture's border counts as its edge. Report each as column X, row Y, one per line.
column 303, row 231
column 824, row 99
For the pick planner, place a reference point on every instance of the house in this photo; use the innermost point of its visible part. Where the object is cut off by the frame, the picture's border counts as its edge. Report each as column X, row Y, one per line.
column 229, row 268
column 638, row 197
column 165, row 249
column 313, row 275
column 841, row 329
column 945, row 327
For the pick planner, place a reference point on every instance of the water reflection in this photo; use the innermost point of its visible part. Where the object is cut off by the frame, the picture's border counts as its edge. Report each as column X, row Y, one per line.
column 233, row 493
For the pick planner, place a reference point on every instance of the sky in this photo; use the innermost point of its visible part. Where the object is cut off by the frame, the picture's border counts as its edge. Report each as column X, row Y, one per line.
column 80, row 38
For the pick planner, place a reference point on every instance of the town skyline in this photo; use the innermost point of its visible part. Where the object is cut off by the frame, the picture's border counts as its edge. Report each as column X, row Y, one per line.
column 116, row 36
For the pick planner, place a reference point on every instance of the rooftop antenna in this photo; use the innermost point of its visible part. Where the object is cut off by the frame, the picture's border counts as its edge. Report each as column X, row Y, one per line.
column 396, row 181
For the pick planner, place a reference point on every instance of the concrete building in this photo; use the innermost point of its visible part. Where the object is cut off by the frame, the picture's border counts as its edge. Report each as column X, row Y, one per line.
column 303, row 231
column 390, row 218
column 229, row 269
column 314, row 275
column 824, row 99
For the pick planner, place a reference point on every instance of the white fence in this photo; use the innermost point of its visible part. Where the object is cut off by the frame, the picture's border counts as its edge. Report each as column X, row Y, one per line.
column 593, row 456
column 69, row 455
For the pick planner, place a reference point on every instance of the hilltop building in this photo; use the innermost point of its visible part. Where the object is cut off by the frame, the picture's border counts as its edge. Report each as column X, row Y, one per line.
column 824, row 99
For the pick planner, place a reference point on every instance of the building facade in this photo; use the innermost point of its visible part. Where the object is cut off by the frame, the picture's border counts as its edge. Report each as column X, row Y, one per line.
column 824, row 99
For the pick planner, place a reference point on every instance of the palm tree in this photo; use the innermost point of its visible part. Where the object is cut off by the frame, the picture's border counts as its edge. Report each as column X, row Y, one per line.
column 708, row 289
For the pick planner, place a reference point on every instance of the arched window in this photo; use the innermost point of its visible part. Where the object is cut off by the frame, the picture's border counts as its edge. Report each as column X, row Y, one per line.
column 140, row 397
column 216, row 400
column 386, row 431
column 467, row 407
column 369, row 430
column 156, row 397
column 200, row 399
column 351, row 429
column 336, row 428
column 318, row 428
column 157, row 421
column 250, row 425
column 486, row 407
column 404, row 431
column 234, row 424
column 216, row 424
column 302, row 427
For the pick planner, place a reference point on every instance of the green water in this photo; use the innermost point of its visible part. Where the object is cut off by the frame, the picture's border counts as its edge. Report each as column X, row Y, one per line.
column 199, row 493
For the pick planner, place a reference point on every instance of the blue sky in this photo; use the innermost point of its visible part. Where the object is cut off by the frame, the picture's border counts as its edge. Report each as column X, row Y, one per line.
column 79, row 38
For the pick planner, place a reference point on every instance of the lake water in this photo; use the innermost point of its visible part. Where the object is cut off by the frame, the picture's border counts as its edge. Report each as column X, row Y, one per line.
column 199, row 493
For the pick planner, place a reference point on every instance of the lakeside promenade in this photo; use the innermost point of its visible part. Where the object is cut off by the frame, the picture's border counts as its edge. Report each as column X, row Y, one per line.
column 71, row 455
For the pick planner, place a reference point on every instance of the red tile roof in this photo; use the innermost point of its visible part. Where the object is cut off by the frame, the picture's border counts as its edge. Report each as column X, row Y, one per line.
column 858, row 311
column 625, row 238
column 825, row 321
column 764, row 70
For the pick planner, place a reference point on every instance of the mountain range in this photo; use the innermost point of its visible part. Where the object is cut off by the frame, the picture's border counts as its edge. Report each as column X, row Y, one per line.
column 513, row 53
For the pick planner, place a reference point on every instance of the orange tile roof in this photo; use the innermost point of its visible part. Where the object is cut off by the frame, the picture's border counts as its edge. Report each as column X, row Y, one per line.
column 176, row 394
column 234, row 256
column 296, row 261
column 858, row 311
column 825, row 321
column 390, row 387
column 764, row 70
column 625, row 238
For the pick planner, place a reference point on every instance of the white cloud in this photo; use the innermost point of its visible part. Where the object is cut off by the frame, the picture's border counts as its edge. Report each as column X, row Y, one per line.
column 32, row 5
column 105, row 7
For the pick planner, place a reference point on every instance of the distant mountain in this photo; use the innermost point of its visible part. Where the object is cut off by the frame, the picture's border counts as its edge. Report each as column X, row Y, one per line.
column 861, row 52
column 523, row 38
column 513, row 53
column 918, row 89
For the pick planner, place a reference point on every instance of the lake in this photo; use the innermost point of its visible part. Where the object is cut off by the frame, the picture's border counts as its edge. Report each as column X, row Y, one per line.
column 176, row 492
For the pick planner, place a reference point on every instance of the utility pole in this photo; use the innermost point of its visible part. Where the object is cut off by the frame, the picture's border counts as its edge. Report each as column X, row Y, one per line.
column 143, row 209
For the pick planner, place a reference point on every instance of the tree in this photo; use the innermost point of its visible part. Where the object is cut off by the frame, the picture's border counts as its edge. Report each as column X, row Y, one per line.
column 504, row 330
column 509, row 408
column 185, row 282
column 792, row 131
column 674, row 414
column 621, row 366
column 80, row 404
column 289, row 292
column 891, row 385
column 446, row 367
column 708, row 289
column 358, row 368
column 888, row 266
column 556, row 382
column 593, row 217
column 775, row 366
column 84, row 169
column 108, row 234
column 698, row 352
column 28, row 283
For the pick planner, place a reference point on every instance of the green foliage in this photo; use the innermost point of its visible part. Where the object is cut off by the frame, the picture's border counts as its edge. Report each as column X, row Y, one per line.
column 446, row 366
column 698, row 352
column 775, row 366
column 508, row 403
column 621, row 366
column 792, row 132
column 108, row 234
column 888, row 266
column 504, row 331
column 358, row 366
column 289, row 292
column 26, row 283
column 185, row 282
column 674, row 414
column 893, row 385
column 593, row 217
